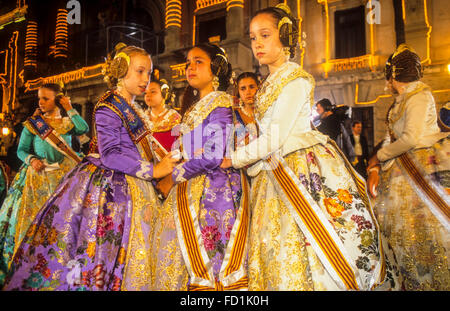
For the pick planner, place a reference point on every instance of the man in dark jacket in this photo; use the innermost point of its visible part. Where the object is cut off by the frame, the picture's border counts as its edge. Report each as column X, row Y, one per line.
column 359, row 143
column 332, row 123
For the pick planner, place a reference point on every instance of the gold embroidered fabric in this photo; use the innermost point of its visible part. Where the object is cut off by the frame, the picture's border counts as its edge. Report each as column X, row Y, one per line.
column 38, row 188
column 137, row 271
column 420, row 242
column 203, row 108
column 280, row 257
column 274, row 84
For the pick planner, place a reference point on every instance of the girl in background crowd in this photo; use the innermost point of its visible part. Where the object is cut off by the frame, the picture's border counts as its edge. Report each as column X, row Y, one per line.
column 163, row 118
column 45, row 149
column 245, row 123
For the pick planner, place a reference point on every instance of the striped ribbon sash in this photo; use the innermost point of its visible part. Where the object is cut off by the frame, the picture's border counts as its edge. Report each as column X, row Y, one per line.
column 233, row 275
column 315, row 226
column 380, row 270
column 435, row 198
column 38, row 126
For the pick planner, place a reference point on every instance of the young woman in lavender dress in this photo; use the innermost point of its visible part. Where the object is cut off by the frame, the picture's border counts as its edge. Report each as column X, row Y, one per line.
column 91, row 233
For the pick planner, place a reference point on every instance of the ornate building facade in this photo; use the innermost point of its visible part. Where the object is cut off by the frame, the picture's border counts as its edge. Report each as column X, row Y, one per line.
column 345, row 44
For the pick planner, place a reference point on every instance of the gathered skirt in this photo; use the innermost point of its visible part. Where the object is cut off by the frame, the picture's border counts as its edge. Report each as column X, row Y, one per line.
column 280, row 256
column 90, row 235
column 27, row 194
column 421, row 242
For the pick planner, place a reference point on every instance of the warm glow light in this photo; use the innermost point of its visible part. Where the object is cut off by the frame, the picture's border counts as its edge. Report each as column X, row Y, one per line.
column 8, row 78
column 61, row 34
column 179, row 72
column 353, row 63
column 235, row 3
column 80, row 74
column 31, row 40
column 201, row 4
column 429, row 27
column 385, row 96
column 448, row 68
column 369, row 102
column 5, row 131
column 173, row 13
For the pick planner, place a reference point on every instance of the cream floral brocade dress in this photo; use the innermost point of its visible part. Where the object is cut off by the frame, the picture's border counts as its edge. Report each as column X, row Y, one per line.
column 420, row 239
column 280, row 256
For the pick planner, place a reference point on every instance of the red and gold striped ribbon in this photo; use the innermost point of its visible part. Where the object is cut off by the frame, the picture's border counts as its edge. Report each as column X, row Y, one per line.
column 237, row 252
column 218, row 286
column 314, row 225
column 417, row 177
column 187, row 227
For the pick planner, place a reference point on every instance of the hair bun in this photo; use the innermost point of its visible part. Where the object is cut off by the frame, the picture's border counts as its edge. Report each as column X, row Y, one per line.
column 285, row 8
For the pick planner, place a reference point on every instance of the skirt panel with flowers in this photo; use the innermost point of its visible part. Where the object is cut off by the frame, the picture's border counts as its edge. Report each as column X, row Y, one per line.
column 420, row 241
column 79, row 239
column 280, row 256
column 28, row 193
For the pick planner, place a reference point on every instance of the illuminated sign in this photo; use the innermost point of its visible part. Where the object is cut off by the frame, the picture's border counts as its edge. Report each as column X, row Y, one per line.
column 8, row 77
column 179, row 72
column 80, row 74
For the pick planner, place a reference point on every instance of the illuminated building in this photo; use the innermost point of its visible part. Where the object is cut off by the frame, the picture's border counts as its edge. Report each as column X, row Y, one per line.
column 344, row 45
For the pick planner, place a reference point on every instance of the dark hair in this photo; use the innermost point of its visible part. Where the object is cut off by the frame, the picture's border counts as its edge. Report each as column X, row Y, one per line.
column 220, row 67
column 244, row 75
column 326, row 104
column 288, row 37
column 404, row 65
column 59, row 93
column 356, row 122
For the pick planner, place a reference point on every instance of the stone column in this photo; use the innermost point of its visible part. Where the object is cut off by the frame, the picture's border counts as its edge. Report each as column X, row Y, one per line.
column 235, row 19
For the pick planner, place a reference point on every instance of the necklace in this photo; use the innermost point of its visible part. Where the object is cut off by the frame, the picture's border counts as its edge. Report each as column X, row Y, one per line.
column 242, row 108
column 159, row 114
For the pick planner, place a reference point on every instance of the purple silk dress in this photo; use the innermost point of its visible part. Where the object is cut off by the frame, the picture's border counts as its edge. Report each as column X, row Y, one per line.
column 79, row 239
column 213, row 197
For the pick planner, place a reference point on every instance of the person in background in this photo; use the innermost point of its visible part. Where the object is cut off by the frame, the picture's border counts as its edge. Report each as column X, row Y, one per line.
column 92, row 233
column 359, row 143
column 246, row 128
column 46, row 152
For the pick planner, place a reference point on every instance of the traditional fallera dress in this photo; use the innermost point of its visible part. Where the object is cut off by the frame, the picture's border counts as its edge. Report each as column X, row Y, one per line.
column 201, row 230
column 311, row 225
column 413, row 202
column 92, row 234
column 4, row 181
column 51, row 140
column 162, row 129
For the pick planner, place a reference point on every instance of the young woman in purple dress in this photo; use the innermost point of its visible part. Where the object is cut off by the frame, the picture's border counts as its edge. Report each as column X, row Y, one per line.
column 200, row 236
column 90, row 234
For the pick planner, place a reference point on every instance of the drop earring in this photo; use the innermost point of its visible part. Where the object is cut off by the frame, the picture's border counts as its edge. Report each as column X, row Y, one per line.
column 215, row 83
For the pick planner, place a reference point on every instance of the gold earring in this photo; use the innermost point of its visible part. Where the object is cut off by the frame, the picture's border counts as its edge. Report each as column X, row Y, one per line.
column 215, row 83
column 120, row 83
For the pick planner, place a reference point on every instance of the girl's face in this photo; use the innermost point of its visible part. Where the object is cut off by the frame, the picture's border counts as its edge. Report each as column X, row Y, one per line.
column 247, row 88
column 264, row 37
column 138, row 74
column 153, row 97
column 46, row 100
column 198, row 69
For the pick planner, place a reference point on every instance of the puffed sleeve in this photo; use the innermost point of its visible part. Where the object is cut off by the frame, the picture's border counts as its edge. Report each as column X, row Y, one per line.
column 80, row 125
column 214, row 139
column 415, row 111
column 117, row 152
column 25, row 145
column 286, row 109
